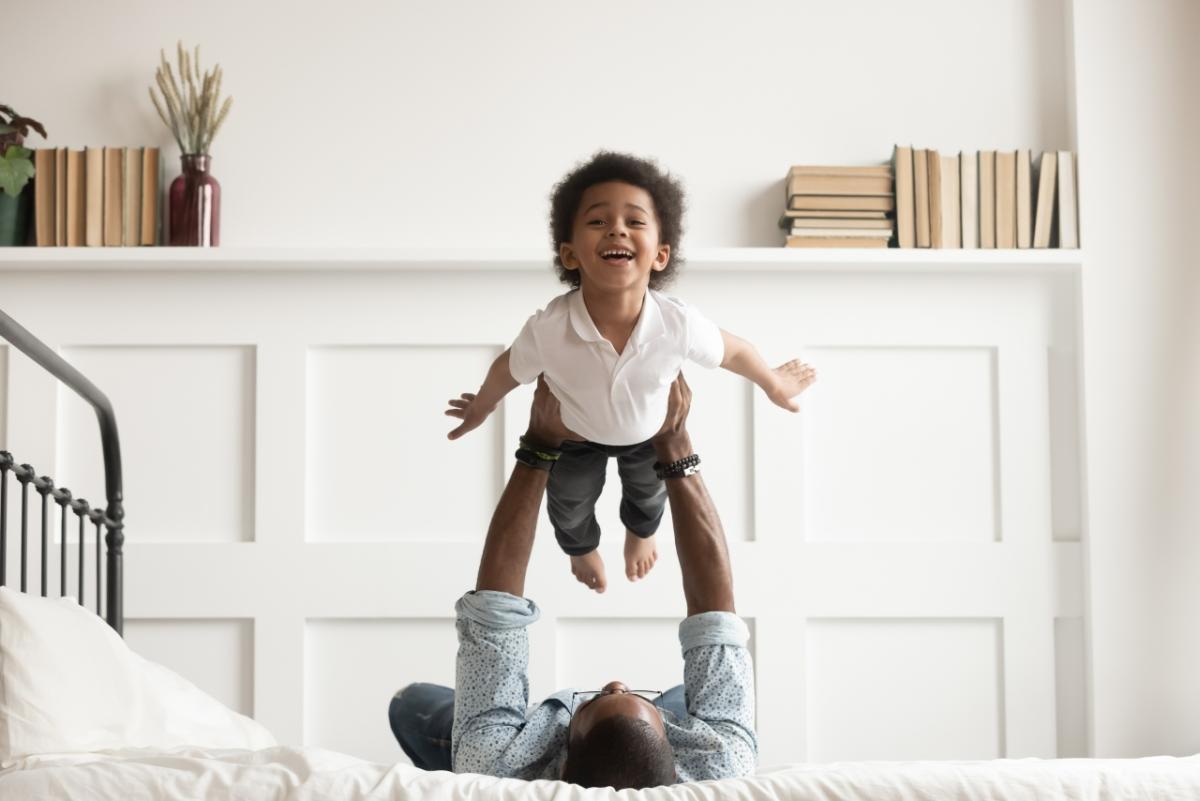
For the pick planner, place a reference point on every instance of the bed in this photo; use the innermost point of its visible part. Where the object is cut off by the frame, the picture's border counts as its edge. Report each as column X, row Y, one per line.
column 83, row 716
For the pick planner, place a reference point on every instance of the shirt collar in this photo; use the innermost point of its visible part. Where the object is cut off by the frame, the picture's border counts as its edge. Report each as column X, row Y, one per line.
column 649, row 325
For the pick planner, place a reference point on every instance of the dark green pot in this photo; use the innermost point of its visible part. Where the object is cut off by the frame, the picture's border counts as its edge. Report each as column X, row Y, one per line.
column 14, row 217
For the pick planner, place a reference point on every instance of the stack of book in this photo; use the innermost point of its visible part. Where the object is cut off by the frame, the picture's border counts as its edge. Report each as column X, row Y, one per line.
column 96, row 196
column 838, row 207
column 985, row 199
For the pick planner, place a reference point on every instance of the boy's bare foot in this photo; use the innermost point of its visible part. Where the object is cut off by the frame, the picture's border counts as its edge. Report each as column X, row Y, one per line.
column 640, row 555
column 589, row 569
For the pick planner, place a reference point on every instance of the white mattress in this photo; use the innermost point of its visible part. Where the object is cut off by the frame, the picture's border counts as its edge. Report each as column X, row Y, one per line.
column 313, row 773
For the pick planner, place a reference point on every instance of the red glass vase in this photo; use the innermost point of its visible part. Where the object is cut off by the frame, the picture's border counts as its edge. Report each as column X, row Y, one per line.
column 194, row 204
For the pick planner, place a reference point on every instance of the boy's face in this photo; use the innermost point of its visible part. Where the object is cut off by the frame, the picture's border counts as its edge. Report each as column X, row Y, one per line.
column 615, row 217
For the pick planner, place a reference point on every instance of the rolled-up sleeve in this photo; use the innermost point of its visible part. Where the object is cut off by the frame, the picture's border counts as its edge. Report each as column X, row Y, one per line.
column 718, row 676
column 491, row 681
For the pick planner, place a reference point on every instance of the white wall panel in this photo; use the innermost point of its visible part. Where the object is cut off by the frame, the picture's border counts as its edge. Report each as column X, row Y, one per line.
column 352, row 668
column 904, row 689
column 1071, row 688
column 901, row 445
column 215, row 655
column 1065, row 476
column 195, row 403
column 3, row 397
column 379, row 464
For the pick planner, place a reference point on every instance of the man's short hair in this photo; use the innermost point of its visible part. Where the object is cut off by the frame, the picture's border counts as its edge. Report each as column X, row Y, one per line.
column 620, row 752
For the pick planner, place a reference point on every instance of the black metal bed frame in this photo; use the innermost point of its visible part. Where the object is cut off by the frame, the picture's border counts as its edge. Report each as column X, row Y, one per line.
column 110, row 518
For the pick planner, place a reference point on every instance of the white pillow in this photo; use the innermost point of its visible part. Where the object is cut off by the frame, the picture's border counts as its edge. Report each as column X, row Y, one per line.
column 68, row 684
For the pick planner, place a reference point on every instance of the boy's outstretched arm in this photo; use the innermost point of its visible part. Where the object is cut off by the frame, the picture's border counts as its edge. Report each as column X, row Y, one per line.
column 473, row 408
column 781, row 383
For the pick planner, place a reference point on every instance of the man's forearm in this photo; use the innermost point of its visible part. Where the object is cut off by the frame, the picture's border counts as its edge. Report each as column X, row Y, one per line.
column 509, row 542
column 699, row 536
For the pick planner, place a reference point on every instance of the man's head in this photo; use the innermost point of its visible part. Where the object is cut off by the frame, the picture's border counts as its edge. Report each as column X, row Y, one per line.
column 619, row 200
column 617, row 739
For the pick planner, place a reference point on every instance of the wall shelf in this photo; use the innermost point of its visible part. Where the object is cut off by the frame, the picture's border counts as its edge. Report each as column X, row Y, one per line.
column 760, row 259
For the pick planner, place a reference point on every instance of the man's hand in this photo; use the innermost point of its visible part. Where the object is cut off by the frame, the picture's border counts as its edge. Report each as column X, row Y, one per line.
column 790, row 380
column 672, row 441
column 545, row 419
column 468, row 409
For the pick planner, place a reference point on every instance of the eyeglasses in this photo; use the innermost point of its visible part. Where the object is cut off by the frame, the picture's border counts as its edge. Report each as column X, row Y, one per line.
column 579, row 699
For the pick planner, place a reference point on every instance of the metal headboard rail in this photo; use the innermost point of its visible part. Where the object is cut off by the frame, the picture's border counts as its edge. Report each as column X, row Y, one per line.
column 110, row 517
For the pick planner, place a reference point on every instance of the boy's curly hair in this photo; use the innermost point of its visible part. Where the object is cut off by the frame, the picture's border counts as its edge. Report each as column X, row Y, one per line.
column 666, row 192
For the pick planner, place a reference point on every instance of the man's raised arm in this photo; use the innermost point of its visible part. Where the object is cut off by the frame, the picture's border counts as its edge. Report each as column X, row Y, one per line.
column 505, row 558
column 699, row 537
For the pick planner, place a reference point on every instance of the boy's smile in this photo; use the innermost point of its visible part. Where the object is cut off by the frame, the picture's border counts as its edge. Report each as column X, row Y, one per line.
column 615, row 238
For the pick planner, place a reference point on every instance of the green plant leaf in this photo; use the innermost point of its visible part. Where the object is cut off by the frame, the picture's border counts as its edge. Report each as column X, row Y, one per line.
column 16, row 169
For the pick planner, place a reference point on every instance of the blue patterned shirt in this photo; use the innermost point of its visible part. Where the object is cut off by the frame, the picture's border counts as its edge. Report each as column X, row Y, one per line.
column 497, row 733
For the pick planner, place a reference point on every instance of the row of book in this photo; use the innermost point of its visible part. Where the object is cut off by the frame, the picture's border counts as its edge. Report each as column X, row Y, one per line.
column 97, row 196
column 985, row 199
column 831, row 207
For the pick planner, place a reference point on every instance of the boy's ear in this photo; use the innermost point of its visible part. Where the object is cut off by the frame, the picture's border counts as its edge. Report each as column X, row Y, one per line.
column 566, row 254
column 662, row 259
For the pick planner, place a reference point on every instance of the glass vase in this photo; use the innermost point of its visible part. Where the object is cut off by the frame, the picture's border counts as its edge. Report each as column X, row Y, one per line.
column 194, row 204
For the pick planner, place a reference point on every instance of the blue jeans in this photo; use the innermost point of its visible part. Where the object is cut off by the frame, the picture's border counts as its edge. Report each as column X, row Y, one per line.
column 422, row 718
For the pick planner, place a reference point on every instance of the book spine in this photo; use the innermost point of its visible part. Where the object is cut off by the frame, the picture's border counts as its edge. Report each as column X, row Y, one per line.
column 43, row 197
column 906, row 231
column 1006, row 199
column 968, row 165
column 60, row 196
column 1024, row 200
column 76, row 199
column 1068, row 230
column 94, row 236
column 937, row 218
column 150, row 184
column 921, row 197
column 114, row 172
column 987, row 199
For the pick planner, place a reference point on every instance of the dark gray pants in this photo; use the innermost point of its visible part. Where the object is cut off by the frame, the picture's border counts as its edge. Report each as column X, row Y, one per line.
column 578, row 478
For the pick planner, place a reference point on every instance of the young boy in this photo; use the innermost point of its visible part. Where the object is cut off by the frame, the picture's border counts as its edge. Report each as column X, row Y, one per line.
column 609, row 349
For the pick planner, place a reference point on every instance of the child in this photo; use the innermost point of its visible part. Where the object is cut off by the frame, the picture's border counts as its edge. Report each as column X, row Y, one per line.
column 609, row 349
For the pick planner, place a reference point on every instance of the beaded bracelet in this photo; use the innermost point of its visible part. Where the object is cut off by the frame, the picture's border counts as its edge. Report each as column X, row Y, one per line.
column 680, row 468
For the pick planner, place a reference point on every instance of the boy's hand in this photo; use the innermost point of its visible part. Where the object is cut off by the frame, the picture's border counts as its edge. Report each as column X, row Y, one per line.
column 790, row 380
column 470, row 411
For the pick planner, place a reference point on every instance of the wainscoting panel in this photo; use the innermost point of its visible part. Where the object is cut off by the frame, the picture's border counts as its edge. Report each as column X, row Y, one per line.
column 903, row 546
column 216, row 655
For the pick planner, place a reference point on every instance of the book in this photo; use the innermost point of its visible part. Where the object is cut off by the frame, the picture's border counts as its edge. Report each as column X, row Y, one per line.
column 1044, row 210
column 921, row 197
column 1068, row 210
column 1006, row 199
column 834, row 242
column 151, row 180
column 131, row 197
column 1024, row 214
column 114, row 170
column 76, row 199
column 987, row 198
column 944, row 222
column 43, row 197
column 863, row 233
column 813, row 214
column 60, row 196
column 836, row 169
column 968, row 183
column 902, row 169
column 857, row 185
column 878, row 223
column 841, row 203
column 95, row 196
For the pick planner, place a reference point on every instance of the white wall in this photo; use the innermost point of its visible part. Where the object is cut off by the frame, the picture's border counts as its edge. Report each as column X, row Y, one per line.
column 446, row 124
column 435, row 124
column 1138, row 125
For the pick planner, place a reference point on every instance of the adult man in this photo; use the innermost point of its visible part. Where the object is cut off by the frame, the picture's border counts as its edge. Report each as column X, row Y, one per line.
column 613, row 737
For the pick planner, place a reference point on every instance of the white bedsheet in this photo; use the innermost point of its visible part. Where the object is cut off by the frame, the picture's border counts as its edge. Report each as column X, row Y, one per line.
column 307, row 774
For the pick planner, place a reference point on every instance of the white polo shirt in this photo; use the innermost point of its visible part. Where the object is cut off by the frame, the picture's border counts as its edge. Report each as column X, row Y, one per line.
column 608, row 397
